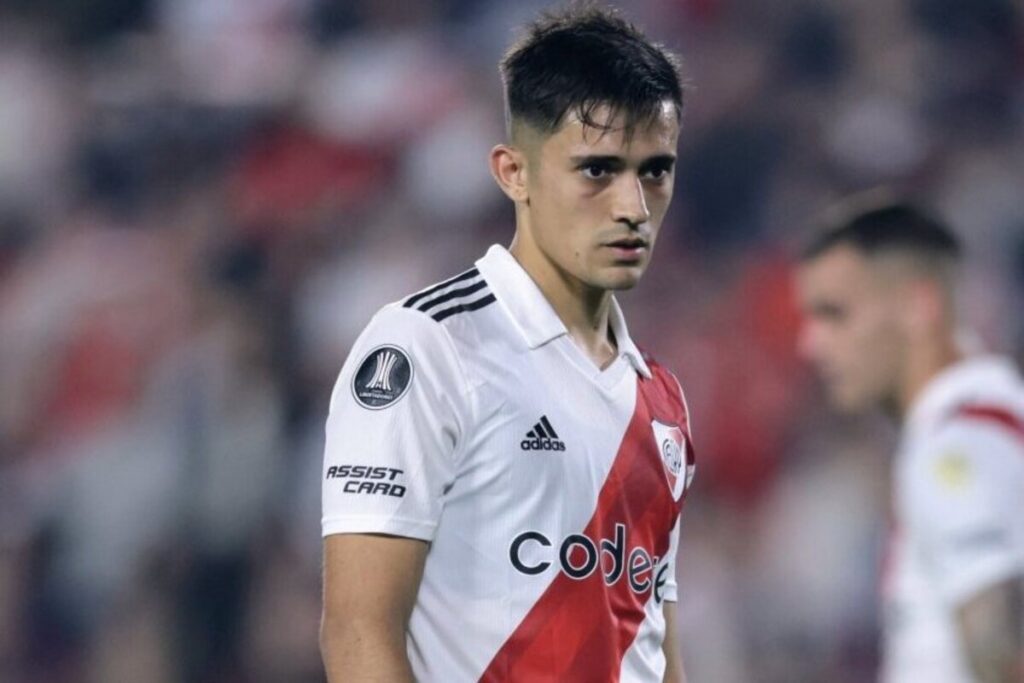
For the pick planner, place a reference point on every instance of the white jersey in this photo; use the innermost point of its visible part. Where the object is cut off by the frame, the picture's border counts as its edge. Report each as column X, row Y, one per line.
column 959, row 515
column 549, row 489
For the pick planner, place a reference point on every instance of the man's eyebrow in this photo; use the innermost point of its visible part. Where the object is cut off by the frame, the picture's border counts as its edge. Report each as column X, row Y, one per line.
column 827, row 309
column 658, row 159
column 584, row 159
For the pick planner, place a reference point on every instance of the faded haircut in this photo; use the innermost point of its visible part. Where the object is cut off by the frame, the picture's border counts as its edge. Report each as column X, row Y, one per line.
column 879, row 227
column 581, row 58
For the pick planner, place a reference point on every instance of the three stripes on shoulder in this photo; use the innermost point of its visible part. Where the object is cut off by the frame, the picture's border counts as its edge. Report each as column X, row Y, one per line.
column 465, row 292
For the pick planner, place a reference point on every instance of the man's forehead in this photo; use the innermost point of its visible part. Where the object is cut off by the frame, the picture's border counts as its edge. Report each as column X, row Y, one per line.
column 843, row 270
column 610, row 131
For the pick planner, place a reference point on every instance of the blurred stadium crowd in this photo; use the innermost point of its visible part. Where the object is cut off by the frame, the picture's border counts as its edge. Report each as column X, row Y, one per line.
column 203, row 201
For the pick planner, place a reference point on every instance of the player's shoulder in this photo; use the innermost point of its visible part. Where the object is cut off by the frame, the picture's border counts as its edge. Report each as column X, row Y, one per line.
column 434, row 310
column 987, row 402
column 413, row 337
column 975, row 442
column 458, row 295
column 981, row 424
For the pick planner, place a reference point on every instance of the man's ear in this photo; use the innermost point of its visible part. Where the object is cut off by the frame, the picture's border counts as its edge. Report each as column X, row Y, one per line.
column 508, row 166
column 926, row 306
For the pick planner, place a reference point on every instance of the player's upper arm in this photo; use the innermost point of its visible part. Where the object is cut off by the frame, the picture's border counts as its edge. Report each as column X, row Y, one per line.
column 668, row 588
column 991, row 627
column 674, row 672
column 966, row 494
column 397, row 417
column 370, row 586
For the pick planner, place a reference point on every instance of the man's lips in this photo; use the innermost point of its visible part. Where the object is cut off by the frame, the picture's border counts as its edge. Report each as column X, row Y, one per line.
column 628, row 242
column 628, row 247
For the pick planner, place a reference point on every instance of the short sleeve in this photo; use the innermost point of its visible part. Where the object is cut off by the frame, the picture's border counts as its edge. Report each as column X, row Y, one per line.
column 670, row 592
column 966, row 501
column 397, row 415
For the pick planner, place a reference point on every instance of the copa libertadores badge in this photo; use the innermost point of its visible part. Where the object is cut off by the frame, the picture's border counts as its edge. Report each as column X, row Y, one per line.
column 382, row 378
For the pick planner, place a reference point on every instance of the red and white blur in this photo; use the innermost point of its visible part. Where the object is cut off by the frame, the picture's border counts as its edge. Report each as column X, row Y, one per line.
column 202, row 202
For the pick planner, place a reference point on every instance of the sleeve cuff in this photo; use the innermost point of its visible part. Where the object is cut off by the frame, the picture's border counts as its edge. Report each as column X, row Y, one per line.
column 394, row 526
column 959, row 588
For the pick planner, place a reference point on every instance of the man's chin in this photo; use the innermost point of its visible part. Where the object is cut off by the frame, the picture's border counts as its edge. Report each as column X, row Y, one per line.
column 621, row 278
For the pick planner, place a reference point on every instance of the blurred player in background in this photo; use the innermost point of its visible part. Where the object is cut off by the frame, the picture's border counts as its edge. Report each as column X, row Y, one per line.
column 504, row 470
column 878, row 288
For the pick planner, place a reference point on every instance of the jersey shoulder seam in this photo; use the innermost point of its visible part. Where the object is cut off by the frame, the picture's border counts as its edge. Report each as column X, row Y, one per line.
column 466, row 292
column 445, row 334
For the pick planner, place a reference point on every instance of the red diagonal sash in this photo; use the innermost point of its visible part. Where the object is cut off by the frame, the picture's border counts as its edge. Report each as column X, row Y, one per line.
column 579, row 630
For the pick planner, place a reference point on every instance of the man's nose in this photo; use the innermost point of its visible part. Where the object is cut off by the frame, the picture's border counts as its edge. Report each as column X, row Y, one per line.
column 630, row 204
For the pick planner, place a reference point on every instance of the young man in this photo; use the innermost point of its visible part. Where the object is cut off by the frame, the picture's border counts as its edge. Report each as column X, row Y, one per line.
column 877, row 290
column 504, row 469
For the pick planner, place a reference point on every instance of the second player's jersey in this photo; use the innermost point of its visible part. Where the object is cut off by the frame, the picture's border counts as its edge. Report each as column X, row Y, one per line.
column 959, row 515
column 549, row 489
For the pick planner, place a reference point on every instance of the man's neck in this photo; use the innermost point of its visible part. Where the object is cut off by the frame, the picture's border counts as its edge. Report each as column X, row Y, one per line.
column 926, row 362
column 583, row 310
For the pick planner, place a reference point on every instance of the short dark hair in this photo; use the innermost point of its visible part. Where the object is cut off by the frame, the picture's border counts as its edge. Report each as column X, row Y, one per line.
column 580, row 58
column 886, row 227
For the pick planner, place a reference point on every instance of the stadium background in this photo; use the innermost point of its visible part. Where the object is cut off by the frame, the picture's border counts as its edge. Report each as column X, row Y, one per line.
column 203, row 201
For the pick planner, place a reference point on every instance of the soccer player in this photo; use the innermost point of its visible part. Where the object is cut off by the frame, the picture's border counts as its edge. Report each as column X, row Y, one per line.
column 504, row 469
column 877, row 289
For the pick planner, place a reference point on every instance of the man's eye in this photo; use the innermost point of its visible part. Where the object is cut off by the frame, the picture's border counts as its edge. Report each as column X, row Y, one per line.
column 658, row 173
column 595, row 171
column 831, row 313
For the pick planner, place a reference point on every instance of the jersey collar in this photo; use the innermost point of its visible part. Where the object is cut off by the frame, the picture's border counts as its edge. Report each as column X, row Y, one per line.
column 531, row 313
column 626, row 346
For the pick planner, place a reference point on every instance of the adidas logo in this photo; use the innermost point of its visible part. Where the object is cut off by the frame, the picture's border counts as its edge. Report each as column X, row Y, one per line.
column 542, row 438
